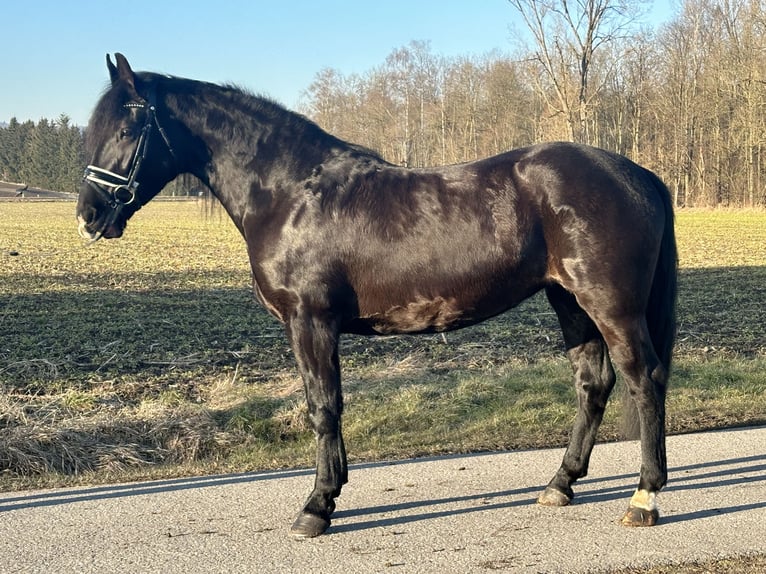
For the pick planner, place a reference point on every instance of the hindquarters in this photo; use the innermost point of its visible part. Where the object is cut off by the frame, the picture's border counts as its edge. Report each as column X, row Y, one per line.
column 612, row 267
column 608, row 228
column 611, row 244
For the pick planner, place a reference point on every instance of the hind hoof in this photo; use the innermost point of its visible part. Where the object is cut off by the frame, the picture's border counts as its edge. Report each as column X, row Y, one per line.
column 553, row 497
column 309, row 525
column 640, row 517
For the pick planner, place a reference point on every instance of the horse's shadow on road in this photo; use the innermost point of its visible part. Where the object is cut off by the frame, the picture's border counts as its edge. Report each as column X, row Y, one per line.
column 699, row 477
column 728, row 472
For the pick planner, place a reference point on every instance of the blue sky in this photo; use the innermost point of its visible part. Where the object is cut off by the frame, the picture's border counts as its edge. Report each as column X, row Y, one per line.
column 52, row 52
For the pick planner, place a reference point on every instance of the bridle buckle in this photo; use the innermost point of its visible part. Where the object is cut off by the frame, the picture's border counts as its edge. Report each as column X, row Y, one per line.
column 124, row 194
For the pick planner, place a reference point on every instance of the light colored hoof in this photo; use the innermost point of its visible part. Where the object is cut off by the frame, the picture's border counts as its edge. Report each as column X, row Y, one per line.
column 553, row 497
column 642, row 510
column 640, row 517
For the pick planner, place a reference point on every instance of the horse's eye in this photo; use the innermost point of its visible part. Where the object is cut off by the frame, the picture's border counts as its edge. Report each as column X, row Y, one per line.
column 125, row 133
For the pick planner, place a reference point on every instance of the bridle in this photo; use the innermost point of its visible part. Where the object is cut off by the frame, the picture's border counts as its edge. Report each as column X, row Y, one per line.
column 115, row 189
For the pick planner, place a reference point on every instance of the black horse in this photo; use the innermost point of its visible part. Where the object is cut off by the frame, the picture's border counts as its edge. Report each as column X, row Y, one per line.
column 341, row 241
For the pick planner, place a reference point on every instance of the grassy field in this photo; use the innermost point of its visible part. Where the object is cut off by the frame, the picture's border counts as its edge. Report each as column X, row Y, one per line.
column 147, row 356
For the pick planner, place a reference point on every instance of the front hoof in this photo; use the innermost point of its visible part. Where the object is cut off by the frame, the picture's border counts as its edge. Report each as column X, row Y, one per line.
column 553, row 497
column 640, row 517
column 309, row 525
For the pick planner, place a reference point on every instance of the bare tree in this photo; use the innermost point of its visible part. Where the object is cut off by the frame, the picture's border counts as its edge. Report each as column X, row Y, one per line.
column 567, row 33
column 686, row 100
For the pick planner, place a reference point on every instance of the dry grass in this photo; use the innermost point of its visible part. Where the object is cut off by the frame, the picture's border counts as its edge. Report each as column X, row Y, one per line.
column 147, row 356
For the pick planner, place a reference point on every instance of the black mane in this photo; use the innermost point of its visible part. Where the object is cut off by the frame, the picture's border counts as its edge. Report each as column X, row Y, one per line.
column 229, row 106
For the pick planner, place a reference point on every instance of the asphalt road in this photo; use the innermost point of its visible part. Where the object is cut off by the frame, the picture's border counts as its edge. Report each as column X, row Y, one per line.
column 451, row 514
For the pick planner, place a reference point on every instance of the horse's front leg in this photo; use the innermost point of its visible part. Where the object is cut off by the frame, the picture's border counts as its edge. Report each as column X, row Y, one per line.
column 314, row 340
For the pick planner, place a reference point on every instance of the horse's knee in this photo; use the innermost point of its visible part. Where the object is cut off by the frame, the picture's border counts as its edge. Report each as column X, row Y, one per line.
column 325, row 421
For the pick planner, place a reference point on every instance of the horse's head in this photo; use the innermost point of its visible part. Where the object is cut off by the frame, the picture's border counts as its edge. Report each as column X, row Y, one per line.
column 131, row 156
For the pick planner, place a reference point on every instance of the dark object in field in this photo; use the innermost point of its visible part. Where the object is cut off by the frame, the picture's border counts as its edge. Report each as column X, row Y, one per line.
column 342, row 241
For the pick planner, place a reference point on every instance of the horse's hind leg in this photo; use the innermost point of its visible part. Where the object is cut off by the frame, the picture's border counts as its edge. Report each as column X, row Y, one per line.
column 594, row 380
column 315, row 344
column 646, row 378
column 630, row 346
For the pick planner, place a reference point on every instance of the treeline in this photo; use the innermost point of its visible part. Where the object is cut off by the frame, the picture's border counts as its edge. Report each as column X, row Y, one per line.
column 687, row 101
column 51, row 155
column 47, row 154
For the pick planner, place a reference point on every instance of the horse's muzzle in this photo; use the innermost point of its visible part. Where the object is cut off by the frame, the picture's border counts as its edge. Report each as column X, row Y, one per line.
column 111, row 231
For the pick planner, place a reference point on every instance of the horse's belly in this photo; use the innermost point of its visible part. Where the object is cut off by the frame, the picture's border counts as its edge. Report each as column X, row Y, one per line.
column 420, row 315
column 428, row 315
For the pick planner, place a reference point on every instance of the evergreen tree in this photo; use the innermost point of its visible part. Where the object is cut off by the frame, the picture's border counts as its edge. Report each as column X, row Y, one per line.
column 12, row 144
column 70, row 155
column 48, row 155
column 35, row 167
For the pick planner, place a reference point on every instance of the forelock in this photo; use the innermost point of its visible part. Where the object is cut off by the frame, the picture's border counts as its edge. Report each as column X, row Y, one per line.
column 108, row 109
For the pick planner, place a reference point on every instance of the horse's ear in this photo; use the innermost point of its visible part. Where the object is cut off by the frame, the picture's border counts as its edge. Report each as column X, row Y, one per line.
column 113, row 73
column 120, row 72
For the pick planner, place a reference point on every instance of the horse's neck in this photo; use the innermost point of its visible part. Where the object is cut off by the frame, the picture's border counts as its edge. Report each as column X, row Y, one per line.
column 253, row 151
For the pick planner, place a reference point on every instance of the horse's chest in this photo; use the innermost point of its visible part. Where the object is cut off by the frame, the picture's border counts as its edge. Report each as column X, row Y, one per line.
column 269, row 302
column 281, row 284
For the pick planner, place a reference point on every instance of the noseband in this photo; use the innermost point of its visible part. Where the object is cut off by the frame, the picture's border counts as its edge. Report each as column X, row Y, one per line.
column 118, row 190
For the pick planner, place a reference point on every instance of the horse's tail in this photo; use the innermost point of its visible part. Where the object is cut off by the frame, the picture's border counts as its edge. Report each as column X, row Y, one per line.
column 661, row 310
